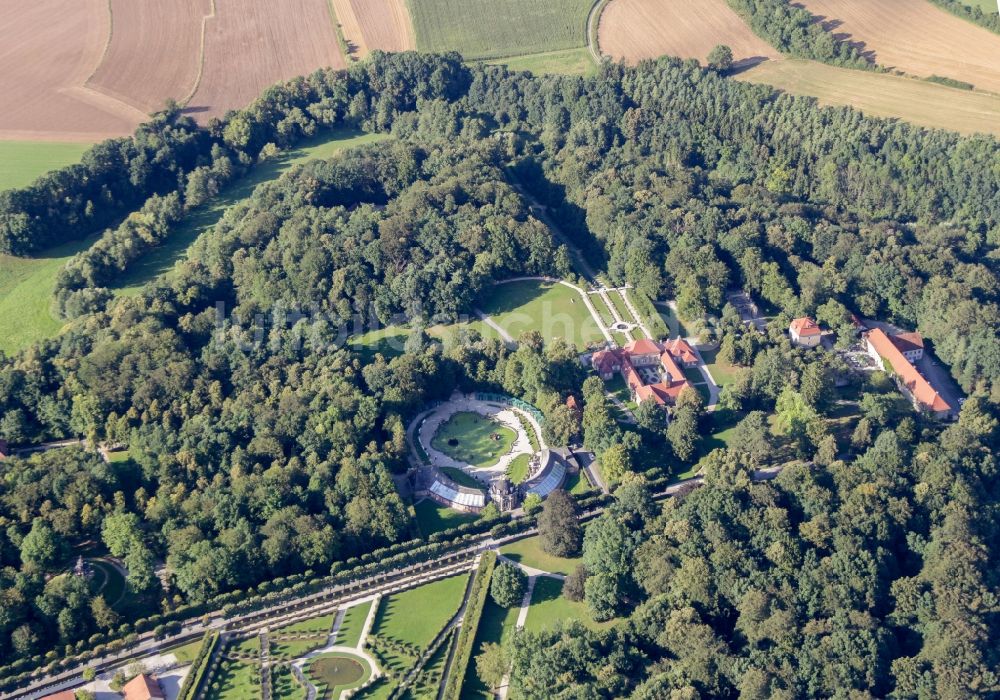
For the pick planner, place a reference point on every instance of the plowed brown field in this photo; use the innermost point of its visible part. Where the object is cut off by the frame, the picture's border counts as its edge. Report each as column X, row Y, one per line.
column 374, row 24
column 915, row 37
column 47, row 50
column 638, row 29
column 155, row 51
column 250, row 44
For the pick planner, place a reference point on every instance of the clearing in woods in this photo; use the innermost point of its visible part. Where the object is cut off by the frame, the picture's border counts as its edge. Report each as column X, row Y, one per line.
column 882, row 95
column 639, row 29
column 290, row 38
column 915, row 37
column 374, row 24
column 23, row 161
column 50, row 47
column 497, row 28
column 565, row 62
column 154, row 52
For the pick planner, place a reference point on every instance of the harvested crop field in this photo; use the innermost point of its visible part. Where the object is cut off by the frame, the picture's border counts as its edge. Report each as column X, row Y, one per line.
column 881, row 95
column 154, row 52
column 374, row 24
column 497, row 28
column 250, row 44
column 639, row 29
column 915, row 37
column 49, row 48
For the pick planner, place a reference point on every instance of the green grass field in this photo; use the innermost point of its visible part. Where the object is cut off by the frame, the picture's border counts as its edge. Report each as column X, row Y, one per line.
column 495, row 627
column 294, row 648
column 284, row 686
column 416, row 615
column 353, row 625
column 517, row 470
column 565, row 62
column 984, row 5
column 186, row 653
column 552, row 309
column 250, row 645
column 23, row 161
column 433, row 517
column 463, row 479
column 390, row 341
column 469, row 437
column 112, row 582
column 234, row 680
column 314, row 625
column 884, row 95
column 722, row 372
column 577, row 483
column 529, row 552
column 548, row 608
column 496, row 28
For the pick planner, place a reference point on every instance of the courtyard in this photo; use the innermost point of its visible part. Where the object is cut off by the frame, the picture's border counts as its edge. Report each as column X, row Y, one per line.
column 474, row 439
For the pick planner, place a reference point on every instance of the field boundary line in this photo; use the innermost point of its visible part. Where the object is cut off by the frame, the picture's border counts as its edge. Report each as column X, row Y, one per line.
column 201, row 56
column 593, row 29
column 107, row 44
column 339, row 31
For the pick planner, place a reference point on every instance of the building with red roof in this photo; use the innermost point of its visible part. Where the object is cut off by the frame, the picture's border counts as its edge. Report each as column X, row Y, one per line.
column 143, row 687
column 61, row 695
column 804, row 332
column 893, row 355
column 652, row 371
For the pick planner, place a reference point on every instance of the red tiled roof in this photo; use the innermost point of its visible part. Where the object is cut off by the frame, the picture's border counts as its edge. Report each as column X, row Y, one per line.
column 571, row 403
column 920, row 388
column 643, row 346
column 679, row 348
column 605, row 361
column 142, row 687
column 804, row 327
column 61, row 695
column 907, row 341
column 669, row 364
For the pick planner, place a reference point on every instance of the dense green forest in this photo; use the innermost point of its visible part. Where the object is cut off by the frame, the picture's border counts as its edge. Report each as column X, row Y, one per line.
column 261, row 446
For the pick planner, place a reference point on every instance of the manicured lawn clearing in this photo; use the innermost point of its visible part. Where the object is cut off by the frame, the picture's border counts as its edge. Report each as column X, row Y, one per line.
column 675, row 325
column 113, row 583
column 549, row 608
column 314, row 625
column 353, row 624
column 638, row 333
column 295, row 648
column 162, row 258
column 338, row 672
column 391, row 340
column 693, row 375
column 416, row 615
column 577, row 483
column 722, row 372
column 552, row 309
column 234, row 680
column 619, row 303
column 702, row 389
column 474, row 439
column 495, row 626
column 433, row 517
column 284, row 686
column 529, row 552
column 602, row 309
column 494, row 28
column 566, row 62
column 186, row 652
column 517, row 470
column 21, row 162
column 620, row 390
column 463, row 479
column 988, row 6
column 250, row 645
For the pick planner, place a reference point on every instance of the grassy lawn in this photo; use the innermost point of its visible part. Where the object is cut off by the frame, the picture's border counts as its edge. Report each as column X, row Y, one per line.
column 21, row 162
column 620, row 390
column 390, row 341
column 112, row 582
column 988, row 6
column 314, row 625
column 186, row 652
column 295, row 648
column 469, row 437
column 495, row 627
column 552, row 309
column 566, row 62
column 250, row 645
column 353, row 625
column 284, row 686
column 529, row 552
column 602, row 309
column 548, row 608
column 433, row 517
column 463, row 479
column 884, row 95
column 517, row 470
column 162, row 258
column 577, row 483
column 416, row 615
column 722, row 372
column 495, row 28
column 675, row 325
column 619, row 303
column 234, row 680
column 338, row 672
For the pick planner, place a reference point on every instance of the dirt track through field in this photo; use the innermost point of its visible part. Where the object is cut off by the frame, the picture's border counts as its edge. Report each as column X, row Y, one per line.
column 250, row 44
column 154, row 53
column 48, row 48
column 374, row 24
column 916, row 37
column 638, row 29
